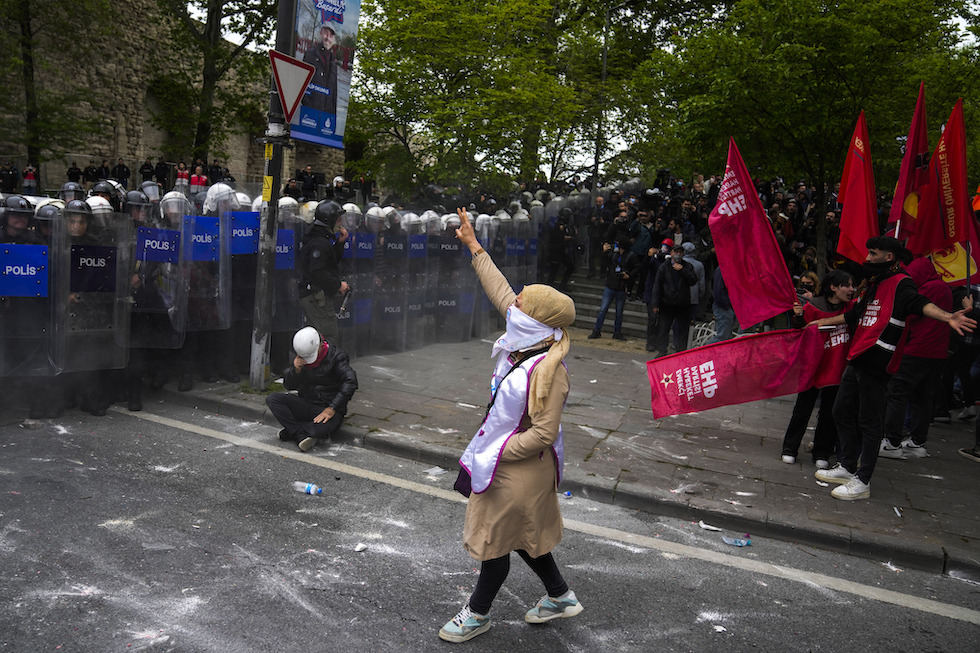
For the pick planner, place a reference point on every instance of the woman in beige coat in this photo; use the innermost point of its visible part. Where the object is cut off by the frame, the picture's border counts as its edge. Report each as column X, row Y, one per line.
column 515, row 458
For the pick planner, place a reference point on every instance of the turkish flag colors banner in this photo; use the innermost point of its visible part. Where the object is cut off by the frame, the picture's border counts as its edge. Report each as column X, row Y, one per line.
column 859, row 215
column 946, row 220
column 748, row 368
column 755, row 272
column 913, row 175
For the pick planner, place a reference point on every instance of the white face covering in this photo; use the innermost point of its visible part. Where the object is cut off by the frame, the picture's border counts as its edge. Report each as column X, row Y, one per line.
column 522, row 332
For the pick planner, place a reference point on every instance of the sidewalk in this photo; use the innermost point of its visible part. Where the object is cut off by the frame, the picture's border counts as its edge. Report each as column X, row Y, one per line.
column 722, row 466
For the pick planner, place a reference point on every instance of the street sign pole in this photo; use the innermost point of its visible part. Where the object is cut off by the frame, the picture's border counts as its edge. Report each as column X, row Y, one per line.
column 276, row 136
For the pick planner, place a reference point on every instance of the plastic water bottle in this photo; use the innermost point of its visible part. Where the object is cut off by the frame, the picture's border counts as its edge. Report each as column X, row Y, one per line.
column 307, row 488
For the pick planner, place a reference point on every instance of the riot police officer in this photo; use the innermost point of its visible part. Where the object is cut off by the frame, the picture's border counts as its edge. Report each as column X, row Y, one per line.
column 319, row 259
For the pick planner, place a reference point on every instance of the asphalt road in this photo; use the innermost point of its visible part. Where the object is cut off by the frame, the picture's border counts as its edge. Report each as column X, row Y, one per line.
column 176, row 530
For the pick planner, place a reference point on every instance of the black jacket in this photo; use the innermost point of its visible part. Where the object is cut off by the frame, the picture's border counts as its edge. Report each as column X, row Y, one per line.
column 620, row 262
column 319, row 262
column 673, row 287
column 330, row 384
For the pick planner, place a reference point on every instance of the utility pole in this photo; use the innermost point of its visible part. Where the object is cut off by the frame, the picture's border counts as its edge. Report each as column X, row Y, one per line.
column 276, row 137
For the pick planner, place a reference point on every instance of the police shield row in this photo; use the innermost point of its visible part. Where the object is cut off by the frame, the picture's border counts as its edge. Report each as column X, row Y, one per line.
column 119, row 281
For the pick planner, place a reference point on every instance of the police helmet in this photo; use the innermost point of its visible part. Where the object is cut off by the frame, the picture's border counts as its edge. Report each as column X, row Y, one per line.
column 77, row 206
column 174, row 206
column 136, row 198
column 48, row 211
column 101, row 188
column 99, row 205
column 71, row 191
column 288, row 207
column 220, row 198
column 350, row 207
column 327, row 212
column 151, row 189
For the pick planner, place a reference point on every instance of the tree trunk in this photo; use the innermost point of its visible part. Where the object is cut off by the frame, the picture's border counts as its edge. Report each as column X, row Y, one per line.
column 32, row 138
column 209, row 80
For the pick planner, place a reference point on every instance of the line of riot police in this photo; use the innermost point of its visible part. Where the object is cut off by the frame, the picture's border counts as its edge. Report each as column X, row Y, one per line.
column 101, row 292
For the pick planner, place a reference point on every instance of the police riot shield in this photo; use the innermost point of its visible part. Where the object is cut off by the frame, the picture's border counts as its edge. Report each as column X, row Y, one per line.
column 484, row 228
column 344, row 305
column 206, row 249
column 287, row 315
column 454, row 303
column 34, row 261
column 508, row 264
column 367, row 244
column 97, row 299
column 522, row 227
column 433, row 231
column 417, row 242
column 159, row 276
column 536, row 223
column 388, row 326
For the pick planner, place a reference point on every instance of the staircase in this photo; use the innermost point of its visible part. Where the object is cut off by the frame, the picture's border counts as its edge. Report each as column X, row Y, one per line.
column 587, row 294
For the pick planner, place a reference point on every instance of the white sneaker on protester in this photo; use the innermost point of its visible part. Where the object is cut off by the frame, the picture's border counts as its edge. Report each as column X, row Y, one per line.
column 853, row 490
column 465, row 626
column 821, row 463
column 836, row 474
column 970, row 412
column 887, row 450
column 549, row 608
column 789, row 460
column 914, row 450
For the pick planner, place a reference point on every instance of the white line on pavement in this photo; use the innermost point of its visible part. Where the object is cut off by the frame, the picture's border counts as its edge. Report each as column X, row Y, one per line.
column 713, row 557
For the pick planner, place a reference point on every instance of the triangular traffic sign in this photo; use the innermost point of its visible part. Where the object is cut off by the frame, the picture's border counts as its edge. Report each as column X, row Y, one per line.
column 292, row 76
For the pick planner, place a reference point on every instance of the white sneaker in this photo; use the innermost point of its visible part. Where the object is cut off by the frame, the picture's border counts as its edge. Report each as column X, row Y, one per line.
column 887, row 450
column 853, row 490
column 970, row 412
column 789, row 460
column 914, row 450
column 821, row 463
column 836, row 474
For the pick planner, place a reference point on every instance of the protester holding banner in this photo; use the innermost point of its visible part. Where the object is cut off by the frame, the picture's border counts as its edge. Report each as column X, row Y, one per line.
column 838, row 288
column 877, row 323
column 511, row 468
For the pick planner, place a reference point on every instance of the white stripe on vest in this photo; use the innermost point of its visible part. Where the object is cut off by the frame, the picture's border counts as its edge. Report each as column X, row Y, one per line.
column 483, row 453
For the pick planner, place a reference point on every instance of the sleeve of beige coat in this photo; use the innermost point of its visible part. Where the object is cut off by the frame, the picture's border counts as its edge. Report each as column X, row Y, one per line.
column 494, row 282
column 544, row 423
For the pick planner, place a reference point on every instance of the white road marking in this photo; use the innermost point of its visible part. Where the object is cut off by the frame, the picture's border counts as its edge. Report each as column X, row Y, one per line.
column 745, row 564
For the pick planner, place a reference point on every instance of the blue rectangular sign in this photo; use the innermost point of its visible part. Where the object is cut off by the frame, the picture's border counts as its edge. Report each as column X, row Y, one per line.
column 205, row 237
column 244, row 232
column 285, row 249
column 158, row 245
column 23, row 270
column 93, row 268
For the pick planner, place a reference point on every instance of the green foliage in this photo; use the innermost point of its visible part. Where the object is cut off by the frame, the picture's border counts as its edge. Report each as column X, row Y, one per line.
column 42, row 100
column 218, row 79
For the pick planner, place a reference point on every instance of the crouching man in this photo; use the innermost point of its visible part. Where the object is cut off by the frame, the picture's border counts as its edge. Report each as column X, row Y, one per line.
column 322, row 376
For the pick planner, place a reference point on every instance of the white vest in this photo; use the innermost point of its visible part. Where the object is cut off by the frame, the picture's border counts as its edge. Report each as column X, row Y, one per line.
column 483, row 453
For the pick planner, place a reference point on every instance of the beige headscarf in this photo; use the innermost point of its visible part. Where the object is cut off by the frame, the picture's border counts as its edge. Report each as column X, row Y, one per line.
column 557, row 310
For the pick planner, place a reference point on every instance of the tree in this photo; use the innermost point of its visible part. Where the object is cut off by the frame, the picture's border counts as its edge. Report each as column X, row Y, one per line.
column 220, row 74
column 34, row 56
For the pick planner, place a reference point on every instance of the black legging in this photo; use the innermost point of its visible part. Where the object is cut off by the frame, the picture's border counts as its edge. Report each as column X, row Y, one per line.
column 494, row 572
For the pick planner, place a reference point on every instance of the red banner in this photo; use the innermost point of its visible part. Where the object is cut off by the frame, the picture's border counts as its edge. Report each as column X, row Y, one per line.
column 859, row 215
column 913, row 175
column 758, row 282
column 749, row 368
column 946, row 220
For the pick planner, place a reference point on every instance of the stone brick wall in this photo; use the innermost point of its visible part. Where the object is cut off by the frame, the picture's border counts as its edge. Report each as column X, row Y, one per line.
column 117, row 79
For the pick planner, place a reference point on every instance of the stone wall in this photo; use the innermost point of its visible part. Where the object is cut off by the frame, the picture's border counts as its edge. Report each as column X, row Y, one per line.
column 117, row 76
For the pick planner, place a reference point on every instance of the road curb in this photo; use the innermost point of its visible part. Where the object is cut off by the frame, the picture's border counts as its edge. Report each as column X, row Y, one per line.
column 872, row 546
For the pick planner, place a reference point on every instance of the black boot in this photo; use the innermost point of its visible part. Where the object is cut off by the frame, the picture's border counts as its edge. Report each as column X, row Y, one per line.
column 135, row 399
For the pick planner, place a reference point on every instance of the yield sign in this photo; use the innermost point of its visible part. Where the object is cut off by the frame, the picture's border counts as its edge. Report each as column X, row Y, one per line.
column 292, row 76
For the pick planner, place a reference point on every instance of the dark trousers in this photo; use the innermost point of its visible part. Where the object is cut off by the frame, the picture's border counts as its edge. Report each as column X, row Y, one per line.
column 296, row 416
column 825, row 436
column 494, row 572
column 913, row 388
column 595, row 256
column 680, row 318
column 860, row 416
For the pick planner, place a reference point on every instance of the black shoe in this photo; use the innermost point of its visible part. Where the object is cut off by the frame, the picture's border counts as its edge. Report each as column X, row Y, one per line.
column 594, row 335
column 619, row 336
column 285, row 437
column 135, row 403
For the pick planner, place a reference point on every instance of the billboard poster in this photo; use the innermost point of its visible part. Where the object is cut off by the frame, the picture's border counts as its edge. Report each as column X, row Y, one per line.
column 326, row 34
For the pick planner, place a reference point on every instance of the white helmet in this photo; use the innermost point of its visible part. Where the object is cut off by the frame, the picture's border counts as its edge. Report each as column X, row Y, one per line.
column 288, row 207
column 257, row 203
column 350, row 207
column 306, row 344
column 99, row 205
column 338, row 180
column 243, row 199
column 307, row 211
column 221, row 198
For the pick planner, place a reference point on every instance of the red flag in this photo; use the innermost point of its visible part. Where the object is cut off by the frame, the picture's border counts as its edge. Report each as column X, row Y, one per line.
column 859, row 215
column 749, row 368
column 914, row 173
column 976, row 200
column 755, row 272
column 946, row 220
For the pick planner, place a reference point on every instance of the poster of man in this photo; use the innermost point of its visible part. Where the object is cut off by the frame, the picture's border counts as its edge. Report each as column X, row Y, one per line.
column 326, row 33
